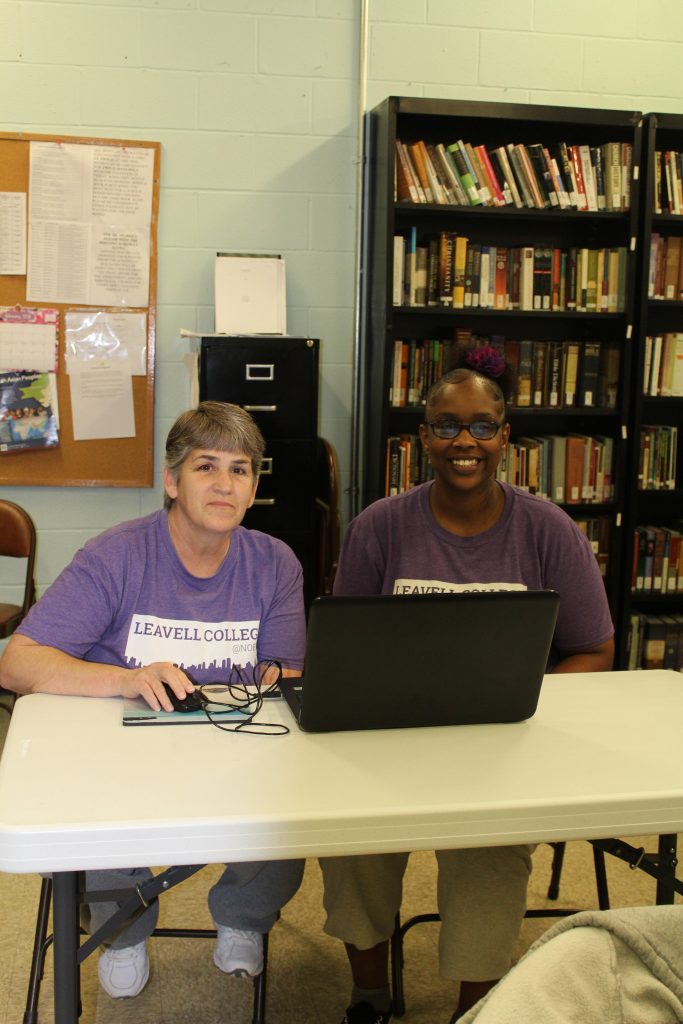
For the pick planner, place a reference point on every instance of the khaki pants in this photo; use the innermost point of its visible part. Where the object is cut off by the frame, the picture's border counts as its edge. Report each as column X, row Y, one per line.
column 481, row 898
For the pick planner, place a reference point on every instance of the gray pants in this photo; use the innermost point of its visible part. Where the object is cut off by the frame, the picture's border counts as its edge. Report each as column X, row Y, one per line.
column 247, row 896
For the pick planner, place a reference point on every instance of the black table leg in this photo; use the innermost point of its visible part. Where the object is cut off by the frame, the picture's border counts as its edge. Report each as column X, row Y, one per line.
column 666, row 857
column 66, row 940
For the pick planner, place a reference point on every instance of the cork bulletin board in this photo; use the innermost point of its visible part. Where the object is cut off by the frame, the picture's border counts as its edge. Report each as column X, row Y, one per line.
column 104, row 461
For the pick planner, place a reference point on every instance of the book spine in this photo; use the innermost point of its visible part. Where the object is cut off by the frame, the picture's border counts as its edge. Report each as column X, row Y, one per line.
column 446, row 247
column 577, row 166
column 596, row 160
column 433, row 272
column 588, row 177
column 509, row 176
column 494, row 184
column 477, row 173
column 436, row 188
column 569, row 175
column 542, row 174
column 418, row 163
column 450, row 173
column 406, row 183
column 459, row 266
column 399, row 270
column 539, row 201
column 521, row 176
column 465, row 174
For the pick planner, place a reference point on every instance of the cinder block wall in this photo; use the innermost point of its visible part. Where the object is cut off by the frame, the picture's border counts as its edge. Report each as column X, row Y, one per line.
column 255, row 104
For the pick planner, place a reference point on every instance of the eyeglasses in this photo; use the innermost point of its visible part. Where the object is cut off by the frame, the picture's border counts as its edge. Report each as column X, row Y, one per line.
column 480, row 430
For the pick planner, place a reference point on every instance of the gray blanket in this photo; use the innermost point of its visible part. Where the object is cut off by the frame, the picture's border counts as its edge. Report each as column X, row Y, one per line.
column 609, row 967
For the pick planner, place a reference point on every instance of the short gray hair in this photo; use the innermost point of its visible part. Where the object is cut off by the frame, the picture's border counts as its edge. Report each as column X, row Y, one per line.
column 215, row 426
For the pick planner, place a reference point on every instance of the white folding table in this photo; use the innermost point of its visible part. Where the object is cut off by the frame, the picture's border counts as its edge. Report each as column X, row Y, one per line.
column 601, row 758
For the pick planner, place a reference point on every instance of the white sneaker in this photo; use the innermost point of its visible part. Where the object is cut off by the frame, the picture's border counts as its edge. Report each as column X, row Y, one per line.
column 124, row 972
column 237, row 952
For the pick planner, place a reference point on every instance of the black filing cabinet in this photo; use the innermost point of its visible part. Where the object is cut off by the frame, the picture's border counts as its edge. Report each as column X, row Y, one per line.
column 276, row 380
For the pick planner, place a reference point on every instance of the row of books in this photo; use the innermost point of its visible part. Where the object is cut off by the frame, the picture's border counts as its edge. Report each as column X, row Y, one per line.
column 452, row 272
column 598, row 530
column 655, row 641
column 567, row 470
column 406, row 464
column 559, row 176
column 657, row 458
column 416, row 365
column 564, row 374
column 668, row 181
column 657, row 560
column 572, row 470
column 663, row 366
column 665, row 280
column 546, row 374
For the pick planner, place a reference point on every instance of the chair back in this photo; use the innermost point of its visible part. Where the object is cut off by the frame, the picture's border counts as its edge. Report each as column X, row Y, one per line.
column 328, row 523
column 17, row 540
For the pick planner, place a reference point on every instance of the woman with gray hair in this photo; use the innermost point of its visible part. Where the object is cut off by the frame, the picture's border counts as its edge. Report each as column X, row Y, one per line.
column 171, row 600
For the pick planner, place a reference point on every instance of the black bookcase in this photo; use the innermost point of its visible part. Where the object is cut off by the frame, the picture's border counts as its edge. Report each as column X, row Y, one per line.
column 653, row 509
column 276, row 380
column 495, row 125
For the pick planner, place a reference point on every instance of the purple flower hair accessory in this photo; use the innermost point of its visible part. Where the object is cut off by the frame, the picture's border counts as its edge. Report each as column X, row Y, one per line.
column 485, row 360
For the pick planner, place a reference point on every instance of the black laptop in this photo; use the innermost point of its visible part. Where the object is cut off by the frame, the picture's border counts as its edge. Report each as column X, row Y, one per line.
column 390, row 662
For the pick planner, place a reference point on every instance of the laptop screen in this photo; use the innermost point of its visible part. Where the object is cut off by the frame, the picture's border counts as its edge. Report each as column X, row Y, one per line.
column 387, row 661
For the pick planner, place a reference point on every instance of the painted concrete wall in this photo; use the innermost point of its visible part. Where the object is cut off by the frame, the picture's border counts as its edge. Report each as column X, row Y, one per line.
column 255, row 104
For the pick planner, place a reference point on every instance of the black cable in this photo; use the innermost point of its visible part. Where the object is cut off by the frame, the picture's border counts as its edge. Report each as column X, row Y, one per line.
column 245, row 696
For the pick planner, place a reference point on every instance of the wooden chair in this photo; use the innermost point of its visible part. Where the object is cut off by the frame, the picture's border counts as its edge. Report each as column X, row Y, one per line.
column 327, row 517
column 17, row 540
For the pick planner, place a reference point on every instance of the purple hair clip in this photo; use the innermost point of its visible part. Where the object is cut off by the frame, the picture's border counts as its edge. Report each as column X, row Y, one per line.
column 486, row 361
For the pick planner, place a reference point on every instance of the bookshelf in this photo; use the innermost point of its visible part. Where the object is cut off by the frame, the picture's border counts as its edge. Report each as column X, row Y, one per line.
column 529, row 315
column 655, row 489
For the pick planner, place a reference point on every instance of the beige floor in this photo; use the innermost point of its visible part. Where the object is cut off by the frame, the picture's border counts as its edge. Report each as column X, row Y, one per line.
column 307, row 977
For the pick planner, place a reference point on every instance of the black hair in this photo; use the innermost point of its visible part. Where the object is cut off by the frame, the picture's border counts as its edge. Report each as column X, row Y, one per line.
column 480, row 362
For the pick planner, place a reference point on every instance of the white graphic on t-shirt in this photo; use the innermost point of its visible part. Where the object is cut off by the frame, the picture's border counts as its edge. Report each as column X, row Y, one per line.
column 198, row 645
column 407, row 586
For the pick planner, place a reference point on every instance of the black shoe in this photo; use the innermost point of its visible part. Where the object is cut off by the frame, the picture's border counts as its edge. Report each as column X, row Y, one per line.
column 364, row 1013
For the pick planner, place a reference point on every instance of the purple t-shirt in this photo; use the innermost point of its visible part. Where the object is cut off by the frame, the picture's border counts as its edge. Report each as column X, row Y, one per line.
column 126, row 599
column 396, row 546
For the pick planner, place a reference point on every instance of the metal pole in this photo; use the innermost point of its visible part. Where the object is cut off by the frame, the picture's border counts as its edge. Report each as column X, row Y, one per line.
column 354, row 480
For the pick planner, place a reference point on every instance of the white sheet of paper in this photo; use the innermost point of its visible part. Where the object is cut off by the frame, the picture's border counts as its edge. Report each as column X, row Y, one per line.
column 94, row 334
column 90, row 212
column 102, row 401
column 12, row 233
column 191, row 360
column 250, row 295
column 120, row 266
column 58, row 261
column 28, row 347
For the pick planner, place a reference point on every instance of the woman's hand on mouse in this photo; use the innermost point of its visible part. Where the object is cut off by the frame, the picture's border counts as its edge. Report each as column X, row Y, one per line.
column 148, row 682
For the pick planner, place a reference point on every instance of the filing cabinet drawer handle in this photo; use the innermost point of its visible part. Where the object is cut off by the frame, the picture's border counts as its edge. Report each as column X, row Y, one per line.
column 260, row 408
column 260, row 371
column 266, row 465
column 264, row 501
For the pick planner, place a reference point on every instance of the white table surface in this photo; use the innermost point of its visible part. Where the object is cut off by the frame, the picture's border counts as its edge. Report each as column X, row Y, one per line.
column 602, row 757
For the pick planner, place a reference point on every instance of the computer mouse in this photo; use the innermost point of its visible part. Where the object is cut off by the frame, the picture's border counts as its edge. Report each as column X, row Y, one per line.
column 190, row 702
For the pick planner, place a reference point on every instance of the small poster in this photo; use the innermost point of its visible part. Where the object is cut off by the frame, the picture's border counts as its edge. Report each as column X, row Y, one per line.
column 27, row 417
